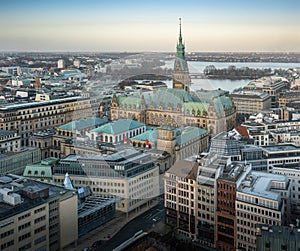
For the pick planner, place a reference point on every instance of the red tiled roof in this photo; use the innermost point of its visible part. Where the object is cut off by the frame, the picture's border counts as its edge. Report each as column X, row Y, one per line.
column 242, row 130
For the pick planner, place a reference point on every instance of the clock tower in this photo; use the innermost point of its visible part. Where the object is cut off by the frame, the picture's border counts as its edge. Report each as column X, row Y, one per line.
column 181, row 76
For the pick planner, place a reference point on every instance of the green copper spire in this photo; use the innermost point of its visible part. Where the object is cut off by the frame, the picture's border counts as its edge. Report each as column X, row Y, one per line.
column 180, row 46
column 180, row 36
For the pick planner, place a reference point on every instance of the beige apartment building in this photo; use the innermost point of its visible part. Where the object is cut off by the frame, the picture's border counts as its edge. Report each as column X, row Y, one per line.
column 180, row 184
column 28, row 118
column 249, row 102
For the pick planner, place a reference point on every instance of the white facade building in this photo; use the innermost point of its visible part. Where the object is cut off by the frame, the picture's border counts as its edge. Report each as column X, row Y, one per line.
column 262, row 198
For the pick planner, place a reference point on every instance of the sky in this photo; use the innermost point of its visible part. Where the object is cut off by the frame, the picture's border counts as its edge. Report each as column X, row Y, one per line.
column 138, row 25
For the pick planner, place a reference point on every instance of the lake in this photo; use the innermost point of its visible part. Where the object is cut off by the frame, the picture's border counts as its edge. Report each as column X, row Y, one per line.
column 225, row 84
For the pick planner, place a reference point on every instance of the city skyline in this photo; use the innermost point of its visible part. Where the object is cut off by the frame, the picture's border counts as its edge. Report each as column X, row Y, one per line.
column 133, row 26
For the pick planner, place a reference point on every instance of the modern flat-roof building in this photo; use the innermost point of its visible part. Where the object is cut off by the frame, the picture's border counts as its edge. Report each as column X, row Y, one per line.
column 260, row 198
column 36, row 215
column 130, row 175
column 281, row 154
column 15, row 163
column 94, row 211
column 286, row 97
column 210, row 168
column 248, row 102
column 271, row 85
column 292, row 172
column 277, row 238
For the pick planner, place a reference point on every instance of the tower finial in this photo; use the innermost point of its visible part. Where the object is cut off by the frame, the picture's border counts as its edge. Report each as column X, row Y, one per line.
column 180, row 36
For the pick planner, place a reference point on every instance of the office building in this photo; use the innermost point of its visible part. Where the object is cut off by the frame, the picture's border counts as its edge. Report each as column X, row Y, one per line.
column 36, row 215
column 28, row 118
column 130, row 175
column 272, row 85
column 248, row 102
column 277, row 238
column 292, row 172
column 180, row 183
column 15, row 163
column 260, row 198
column 94, row 210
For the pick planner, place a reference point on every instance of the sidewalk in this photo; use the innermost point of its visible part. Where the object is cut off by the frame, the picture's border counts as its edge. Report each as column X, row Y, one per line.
column 109, row 229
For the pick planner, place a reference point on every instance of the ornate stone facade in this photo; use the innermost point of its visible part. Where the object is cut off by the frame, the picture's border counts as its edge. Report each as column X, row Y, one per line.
column 211, row 110
column 177, row 107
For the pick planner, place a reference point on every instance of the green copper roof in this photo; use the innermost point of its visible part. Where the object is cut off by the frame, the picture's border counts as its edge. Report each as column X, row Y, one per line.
column 38, row 171
column 51, row 161
column 189, row 134
column 180, row 53
column 221, row 103
column 151, row 135
column 179, row 99
column 118, row 126
column 196, row 107
column 130, row 100
column 82, row 124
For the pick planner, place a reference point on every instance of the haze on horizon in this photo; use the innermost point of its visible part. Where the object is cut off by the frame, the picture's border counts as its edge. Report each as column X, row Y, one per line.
column 102, row 26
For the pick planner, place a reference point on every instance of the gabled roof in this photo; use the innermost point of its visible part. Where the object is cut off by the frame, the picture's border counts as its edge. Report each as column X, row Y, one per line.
column 242, row 130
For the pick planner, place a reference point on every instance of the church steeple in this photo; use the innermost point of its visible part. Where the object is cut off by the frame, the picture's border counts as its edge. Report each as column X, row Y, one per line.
column 180, row 46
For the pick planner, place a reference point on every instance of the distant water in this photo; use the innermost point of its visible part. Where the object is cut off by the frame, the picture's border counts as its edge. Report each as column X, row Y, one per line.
column 226, row 84
column 198, row 67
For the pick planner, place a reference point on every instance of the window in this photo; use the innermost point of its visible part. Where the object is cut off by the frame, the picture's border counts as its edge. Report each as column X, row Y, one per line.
column 24, row 236
column 39, row 240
